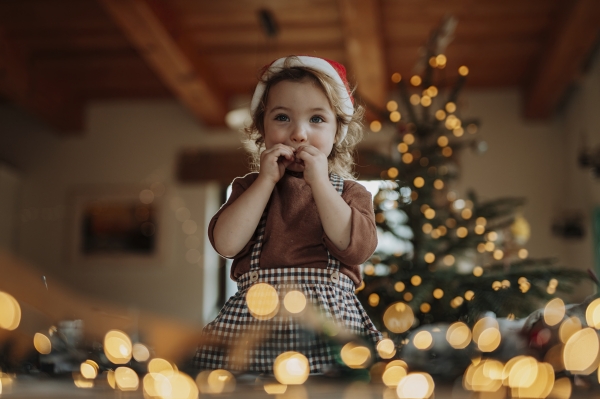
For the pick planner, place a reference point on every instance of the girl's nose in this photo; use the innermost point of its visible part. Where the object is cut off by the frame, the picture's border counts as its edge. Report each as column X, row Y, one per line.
column 298, row 134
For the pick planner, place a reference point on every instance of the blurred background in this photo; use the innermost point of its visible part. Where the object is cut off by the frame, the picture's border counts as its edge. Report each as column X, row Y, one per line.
column 119, row 134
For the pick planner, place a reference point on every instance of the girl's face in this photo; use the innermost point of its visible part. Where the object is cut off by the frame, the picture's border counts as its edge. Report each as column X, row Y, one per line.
column 297, row 114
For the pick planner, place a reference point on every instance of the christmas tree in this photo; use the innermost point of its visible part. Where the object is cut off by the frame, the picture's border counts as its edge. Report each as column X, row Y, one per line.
column 442, row 257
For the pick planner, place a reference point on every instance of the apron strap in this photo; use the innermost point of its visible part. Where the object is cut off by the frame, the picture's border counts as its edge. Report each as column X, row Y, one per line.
column 333, row 264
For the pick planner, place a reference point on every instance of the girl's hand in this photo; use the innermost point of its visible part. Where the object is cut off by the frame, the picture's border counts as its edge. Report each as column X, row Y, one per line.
column 316, row 168
column 274, row 160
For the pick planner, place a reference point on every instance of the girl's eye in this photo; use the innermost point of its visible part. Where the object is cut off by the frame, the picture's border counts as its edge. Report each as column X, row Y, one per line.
column 316, row 119
column 282, row 117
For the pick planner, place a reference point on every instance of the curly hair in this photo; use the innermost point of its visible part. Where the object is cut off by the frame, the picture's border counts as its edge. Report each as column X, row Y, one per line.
column 341, row 158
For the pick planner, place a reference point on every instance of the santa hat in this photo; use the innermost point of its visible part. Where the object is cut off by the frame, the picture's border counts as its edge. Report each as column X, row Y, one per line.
column 333, row 69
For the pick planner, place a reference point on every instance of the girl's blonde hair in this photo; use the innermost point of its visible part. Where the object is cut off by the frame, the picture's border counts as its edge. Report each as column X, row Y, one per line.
column 341, row 160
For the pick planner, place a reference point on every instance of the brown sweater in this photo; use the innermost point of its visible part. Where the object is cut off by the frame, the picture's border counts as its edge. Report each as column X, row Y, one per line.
column 294, row 236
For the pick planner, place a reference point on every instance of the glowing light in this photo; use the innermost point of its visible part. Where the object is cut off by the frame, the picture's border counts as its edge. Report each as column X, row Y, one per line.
column 140, row 352
column 440, row 115
column 117, row 347
column 448, row 260
column 466, row 213
column 498, row 254
column 462, row 232
column 408, row 297
column 580, row 355
column 429, row 214
column 472, row 128
column 438, row 293
column 562, row 389
column 482, row 325
column 399, row 286
column 463, row 70
column 355, row 356
column 568, row 328
column 423, row 340
column 407, row 158
column 427, row 227
column 416, row 280
column 442, row 141
column 451, row 223
column 554, row 312
column 10, row 312
column 432, row 91
column 161, row 366
column 391, row 106
column 592, row 314
column 294, row 301
column 554, row 356
column 126, row 379
column 522, row 373
column 392, row 375
column 373, row 299
column 399, row 363
column 490, row 246
column 450, row 107
column 220, row 381
column 433, row 62
column 395, row 116
column 426, row 101
column 398, row 318
column 458, row 335
column 419, row 182
column 469, row 295
column 429, row 257
column 415, row 80
column 489, row 340
column 458, row 132
column 402, row 148
column 481, row 221
column 441, row 60
column 438, row 184
column 447, row 152
column 408, row 138
column 479, row 229
column 82, row 382
column 415, row 386
column 396, row 77
column 274, row 388
column 291, row 368
column 42, row 343
column 415, row 99
column 477, row 271
column 375, row 126
column 392, row 173
column 89, row 369
column 110, row 378
column 263, row 301
column 386, row 348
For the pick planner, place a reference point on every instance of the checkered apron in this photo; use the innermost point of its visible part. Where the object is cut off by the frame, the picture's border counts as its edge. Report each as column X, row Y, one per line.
column 237, row 340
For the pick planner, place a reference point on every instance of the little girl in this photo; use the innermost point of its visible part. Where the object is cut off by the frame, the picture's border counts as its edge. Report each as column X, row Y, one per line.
column 296, row 224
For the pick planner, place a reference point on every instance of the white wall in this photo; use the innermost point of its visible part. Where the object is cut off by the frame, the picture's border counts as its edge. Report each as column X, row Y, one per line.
column 125, row 145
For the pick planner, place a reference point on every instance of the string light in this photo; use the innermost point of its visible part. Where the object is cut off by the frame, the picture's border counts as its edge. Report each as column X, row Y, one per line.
column 395, row 116
column 402, row 148
column 407, row 158
column 416, row 280
column 392, row 172
column 477, row 271
column 396, row 77
column 415, row 80
column 415, row 99
column 408, row 138
column 399, row 286
column 375, row 126
column 392, row 105
column 450, row 107
column 426, row 101
column 442, row 141
column 441, row 60
column 463, row 70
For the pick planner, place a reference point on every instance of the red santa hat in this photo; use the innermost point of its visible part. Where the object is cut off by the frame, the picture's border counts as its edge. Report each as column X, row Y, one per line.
column 333, row 69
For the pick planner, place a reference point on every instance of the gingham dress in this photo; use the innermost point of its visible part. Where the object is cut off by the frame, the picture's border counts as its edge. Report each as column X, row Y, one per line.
column 236, row 340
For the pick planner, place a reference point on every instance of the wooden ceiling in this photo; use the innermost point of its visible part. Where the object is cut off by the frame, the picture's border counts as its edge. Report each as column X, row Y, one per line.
column 55, row 55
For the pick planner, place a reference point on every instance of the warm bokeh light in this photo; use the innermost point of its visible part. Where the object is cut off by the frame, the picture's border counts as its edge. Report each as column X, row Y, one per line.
column 392, row 172
column 432, row 91
column 554, row 356
column 462, row 232
column 423, row 340
column 220, row 381
column 117, row 347
column 402, row 147
column 415, row 80
column 373, row 299
column 484, row 377
column 438, row 293
column 498, row 254
column 438, row 184
column 429, row 214
column 418, row 182
column 392, row 375
column 395, row 116
column 463, row 70
column 440, row 115
column 580, row 355
column 442, row 141
column 294, row 301
column 458, row 335
column 449, row 260
column 541, row 385
column 42, row 343
column 355, row 356
column 447, row 152
column 415, row 386
column 273, row 388
column 429, row 257
column 161, row 366
column 408, row 138
column 291, row 368
column 554, row 312
column 569, row 327
column 479, row 229
column 592, row 314
column 391, row 105
column 427, row 228
column 126, row 379
column 469, row 295
column 399, row 286
column 562, row 389
column 450, row 107
column 522, row 372
column 10, row 312
column 477, row 271
column 483, row 324
column 89, row 369
column 407, row 158
column 416, row 280
column 426, row 101
column 458, row 132
column 375, row 126
column 408, row 296
column 415, row 99
column 386, row 348
column 396, row 77
column 140, row 352
column 110, row 378
column 82, row 382
column 425, row 307
column 398, row 318
column 263, row 301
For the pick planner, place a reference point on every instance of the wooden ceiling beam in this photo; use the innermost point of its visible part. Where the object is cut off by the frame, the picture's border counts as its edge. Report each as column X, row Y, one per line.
column 363, row 39
column 173, row 59
column 577, row 30
column 53, row 103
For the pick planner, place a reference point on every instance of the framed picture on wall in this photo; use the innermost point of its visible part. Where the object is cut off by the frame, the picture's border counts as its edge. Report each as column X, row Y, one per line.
column 115, row 226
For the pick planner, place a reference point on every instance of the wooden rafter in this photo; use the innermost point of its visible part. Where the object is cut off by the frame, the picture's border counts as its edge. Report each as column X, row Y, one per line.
column 55, row 104
column 364, row 48
column 577, row 30
column 172, row 59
